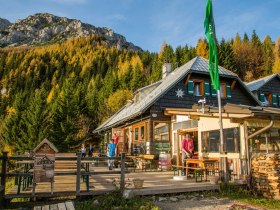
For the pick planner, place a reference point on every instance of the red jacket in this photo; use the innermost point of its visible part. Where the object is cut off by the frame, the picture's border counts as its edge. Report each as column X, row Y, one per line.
column 187, row 144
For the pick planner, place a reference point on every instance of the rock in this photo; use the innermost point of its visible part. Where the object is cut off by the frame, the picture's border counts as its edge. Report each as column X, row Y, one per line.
column 181, row 197
column 173, row 199
column 128, row 194
column 162, row 199
column 42, row 27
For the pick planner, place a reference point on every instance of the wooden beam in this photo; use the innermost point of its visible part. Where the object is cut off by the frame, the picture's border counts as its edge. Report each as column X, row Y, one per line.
column 187, row 79
column 233, row 84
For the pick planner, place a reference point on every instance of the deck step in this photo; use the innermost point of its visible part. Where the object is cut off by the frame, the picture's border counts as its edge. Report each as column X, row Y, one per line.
column 67, row 205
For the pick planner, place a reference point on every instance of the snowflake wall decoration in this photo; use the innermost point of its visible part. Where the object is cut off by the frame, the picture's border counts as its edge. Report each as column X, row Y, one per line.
column 179, row 93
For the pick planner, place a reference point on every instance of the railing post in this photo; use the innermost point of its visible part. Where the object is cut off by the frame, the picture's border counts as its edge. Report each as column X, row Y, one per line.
column 78, row 178
column 17, row 167
column 122, row 184
column 3, row 178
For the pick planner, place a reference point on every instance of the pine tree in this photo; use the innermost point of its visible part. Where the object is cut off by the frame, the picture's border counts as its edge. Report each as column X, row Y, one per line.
column 35, row 120
column 64, row 119
column 226, row 56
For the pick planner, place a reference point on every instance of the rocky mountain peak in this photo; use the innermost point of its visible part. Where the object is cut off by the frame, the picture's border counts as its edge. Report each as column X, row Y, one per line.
column 44, row 27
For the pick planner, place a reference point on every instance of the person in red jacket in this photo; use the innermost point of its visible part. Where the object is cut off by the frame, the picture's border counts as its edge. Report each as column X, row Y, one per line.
column 187, row 148
column 116, row 142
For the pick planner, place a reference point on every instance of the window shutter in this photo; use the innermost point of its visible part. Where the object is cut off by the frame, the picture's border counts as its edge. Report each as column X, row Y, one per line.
column 206, row 89
column 274, row 99
column 228, row 92
column 261, row 97
column 190, row 87
column 213, row 91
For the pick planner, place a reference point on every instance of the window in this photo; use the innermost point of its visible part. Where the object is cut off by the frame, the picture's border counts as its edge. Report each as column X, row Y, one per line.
column 161, row 131
column 136, row 133
column 266, row 98
column 198, row 88
column 142, row 132
column 259, row 143
column 211, row 140
column 139, row 132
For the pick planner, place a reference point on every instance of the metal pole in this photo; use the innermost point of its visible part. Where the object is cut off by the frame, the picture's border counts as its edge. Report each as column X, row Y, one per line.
column 223, row 159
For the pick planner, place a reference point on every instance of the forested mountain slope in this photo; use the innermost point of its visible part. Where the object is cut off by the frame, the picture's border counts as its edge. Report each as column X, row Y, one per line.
column 63, row 91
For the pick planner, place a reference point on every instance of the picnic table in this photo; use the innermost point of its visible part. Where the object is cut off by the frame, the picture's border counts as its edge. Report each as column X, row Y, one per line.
column 203, row 164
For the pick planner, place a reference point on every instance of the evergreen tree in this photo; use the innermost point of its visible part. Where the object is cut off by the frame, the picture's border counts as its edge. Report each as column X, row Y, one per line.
column 65, row 117
column 226, row 56
column 36, row 121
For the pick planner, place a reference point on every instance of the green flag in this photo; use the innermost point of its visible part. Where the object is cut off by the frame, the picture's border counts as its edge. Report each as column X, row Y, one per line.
column 209, row 27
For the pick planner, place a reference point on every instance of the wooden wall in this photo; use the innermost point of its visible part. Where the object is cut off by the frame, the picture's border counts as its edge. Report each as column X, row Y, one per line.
column 239, row 94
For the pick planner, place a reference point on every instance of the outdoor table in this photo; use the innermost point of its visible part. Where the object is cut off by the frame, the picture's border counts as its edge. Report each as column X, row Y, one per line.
column 203, row 164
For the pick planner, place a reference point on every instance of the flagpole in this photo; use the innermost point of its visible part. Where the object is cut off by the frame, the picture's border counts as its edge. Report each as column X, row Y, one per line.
column 223, row 158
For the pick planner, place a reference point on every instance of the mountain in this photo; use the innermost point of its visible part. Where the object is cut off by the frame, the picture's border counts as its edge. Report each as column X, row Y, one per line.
column 4, row 23
column 43, row 28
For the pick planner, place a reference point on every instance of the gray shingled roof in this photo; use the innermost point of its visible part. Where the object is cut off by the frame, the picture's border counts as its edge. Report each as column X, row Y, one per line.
column 257, row 84
column 197, row 64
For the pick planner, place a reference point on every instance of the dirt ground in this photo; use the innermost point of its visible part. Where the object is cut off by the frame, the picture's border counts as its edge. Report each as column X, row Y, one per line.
column 211, row 203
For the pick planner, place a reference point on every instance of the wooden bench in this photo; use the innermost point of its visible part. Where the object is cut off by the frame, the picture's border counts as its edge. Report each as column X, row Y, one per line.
column 198, row 171
column 148, row 161
column 130, row 163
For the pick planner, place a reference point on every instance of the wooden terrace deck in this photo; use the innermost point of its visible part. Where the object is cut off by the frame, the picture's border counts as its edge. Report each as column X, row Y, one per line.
column 155, row 182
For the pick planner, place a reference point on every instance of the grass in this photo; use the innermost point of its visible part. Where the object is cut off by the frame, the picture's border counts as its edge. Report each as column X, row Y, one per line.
column 245, row 196
column 114, row 200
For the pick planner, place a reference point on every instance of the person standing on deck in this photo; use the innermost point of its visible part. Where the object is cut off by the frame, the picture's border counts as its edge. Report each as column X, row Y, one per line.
column 83, row 150
column 116, row 142
column 187, row 148
column 90, row 150
column 111, row 151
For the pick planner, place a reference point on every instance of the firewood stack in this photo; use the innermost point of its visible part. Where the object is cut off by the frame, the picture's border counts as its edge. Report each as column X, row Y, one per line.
column 266, row 175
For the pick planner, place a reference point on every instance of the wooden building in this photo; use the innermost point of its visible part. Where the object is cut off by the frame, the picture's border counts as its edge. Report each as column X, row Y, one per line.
column 144, row 126
column 267, row 90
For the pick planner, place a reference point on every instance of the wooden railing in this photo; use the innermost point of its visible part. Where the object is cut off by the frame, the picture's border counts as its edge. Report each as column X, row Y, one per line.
column 78, row 172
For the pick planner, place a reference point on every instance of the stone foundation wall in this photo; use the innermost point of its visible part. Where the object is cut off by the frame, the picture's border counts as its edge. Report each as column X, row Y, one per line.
column 266, row 175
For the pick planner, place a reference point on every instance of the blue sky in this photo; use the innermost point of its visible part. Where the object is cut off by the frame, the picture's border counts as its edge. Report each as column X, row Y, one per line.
column 147, row 23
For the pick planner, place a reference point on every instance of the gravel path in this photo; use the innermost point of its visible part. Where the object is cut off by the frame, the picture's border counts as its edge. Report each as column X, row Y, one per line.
column 202, row 203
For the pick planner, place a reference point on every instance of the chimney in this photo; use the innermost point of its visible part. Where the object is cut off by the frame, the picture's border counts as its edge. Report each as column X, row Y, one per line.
column 166, row 69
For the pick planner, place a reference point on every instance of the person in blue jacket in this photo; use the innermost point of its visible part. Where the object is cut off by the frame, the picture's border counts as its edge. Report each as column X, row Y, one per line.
column 111, row 152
